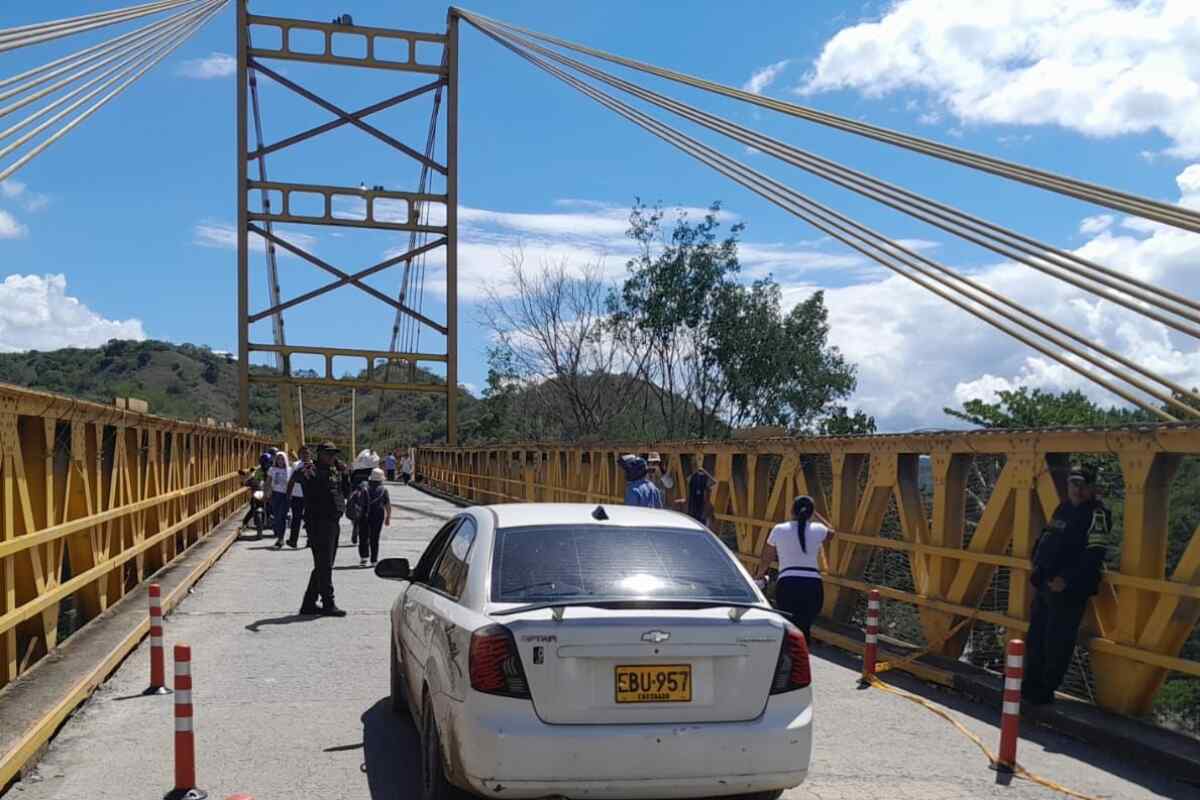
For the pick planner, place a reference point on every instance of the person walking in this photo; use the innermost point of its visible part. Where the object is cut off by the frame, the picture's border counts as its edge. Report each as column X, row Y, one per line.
column 795, row 545
column 389, row 466
column 296, row 497
column 377, row 512
column 1068, row 562
column 407, row 468
column 366, row 461
column 326, row 484
column 278, row 480
column 639, row 490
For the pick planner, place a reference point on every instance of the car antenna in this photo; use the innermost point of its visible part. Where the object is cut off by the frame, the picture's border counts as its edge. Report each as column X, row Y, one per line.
column 600, row 513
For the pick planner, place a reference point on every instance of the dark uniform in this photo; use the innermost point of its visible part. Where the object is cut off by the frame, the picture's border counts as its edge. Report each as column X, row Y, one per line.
column 1072, row 548
column 325, row 490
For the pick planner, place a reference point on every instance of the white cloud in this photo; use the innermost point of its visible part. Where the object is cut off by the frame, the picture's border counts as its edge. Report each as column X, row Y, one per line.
column 1096, row 224
column 10, row 228
column 215, row 65
column 224, row 236
column 1101, row 67
column 762, row 78
column 916, row 353
column 592, row 233
column 16, row 190
column 36, row 313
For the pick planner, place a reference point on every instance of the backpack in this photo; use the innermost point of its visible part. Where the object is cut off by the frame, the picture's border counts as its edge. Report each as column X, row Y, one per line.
column 357, row 507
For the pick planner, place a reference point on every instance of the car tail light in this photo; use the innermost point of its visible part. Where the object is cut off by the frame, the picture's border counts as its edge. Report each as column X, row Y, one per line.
column 792, row 671
column 495, row 664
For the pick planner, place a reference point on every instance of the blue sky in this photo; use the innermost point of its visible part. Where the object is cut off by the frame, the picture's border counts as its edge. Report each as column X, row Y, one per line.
column 134, row 208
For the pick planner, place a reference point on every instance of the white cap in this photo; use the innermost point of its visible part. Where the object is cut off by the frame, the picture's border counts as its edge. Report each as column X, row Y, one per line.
column 377, row 475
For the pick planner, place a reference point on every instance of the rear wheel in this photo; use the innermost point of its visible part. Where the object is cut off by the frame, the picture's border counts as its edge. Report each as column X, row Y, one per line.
column 434, row 785
column 772, row 795
column 399, row 697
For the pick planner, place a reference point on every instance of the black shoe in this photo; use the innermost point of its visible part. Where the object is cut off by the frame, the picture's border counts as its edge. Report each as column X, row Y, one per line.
column 292, row 543
column 279, row 544
column 332, row 611
column 310, row 611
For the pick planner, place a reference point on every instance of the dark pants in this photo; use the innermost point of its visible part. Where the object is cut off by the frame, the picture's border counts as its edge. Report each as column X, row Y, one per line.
column 1053, row 628
column 391, row 474
column 297, row 518
column 250, row 515
column 279, row 513
column 368, row 537
column 323, row 535
column 405, row 478
column 802, row 598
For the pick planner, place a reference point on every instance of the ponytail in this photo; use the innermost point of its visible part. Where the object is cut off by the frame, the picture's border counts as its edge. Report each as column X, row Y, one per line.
column 802, row 510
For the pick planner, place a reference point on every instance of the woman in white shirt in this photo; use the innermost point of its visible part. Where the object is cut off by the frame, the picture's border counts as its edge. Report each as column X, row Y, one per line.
column 795, row 545
column 277, row 479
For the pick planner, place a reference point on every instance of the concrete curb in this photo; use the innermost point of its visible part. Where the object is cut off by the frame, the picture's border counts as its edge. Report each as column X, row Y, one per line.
column 1174, row 753
column 42, row 699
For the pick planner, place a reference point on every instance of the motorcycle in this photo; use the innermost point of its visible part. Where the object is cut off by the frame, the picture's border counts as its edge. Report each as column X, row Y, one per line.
column 260, row 512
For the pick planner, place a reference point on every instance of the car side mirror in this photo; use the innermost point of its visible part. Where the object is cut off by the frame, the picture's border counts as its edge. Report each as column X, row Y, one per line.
column 394, row 569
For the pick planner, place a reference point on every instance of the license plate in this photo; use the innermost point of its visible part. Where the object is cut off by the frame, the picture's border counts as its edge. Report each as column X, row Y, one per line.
column 670, row 683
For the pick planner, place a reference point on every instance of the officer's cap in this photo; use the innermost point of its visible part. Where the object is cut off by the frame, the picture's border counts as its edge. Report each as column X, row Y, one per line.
column 327, row 447
column 1082, row 474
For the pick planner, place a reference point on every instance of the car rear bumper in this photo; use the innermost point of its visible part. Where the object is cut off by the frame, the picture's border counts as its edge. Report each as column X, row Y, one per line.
column 503, row 749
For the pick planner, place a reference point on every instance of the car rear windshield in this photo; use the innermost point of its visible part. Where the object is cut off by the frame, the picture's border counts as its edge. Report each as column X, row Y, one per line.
column 546, row 563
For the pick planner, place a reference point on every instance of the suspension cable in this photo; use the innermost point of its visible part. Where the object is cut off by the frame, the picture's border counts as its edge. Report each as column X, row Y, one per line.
column 151, row 58
column 756, row 140
column 1165, row 213
column 269, row 246
column 48, row 72
column 13, row 38
column 996, row 238
column 130, row 51
column 865, row 241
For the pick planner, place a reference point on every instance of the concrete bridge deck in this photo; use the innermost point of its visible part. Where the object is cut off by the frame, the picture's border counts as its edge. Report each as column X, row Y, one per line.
column 289, row 706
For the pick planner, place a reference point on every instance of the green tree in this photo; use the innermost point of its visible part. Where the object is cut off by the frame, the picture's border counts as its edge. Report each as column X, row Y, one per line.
column 719, row 353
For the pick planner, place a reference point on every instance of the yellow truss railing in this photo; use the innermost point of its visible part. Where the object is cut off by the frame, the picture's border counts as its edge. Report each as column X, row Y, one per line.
column 93, row 500
column 1136, row 626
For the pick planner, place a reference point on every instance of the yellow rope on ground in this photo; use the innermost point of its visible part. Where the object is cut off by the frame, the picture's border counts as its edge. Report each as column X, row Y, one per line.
column 884, row 666
column 992, row 759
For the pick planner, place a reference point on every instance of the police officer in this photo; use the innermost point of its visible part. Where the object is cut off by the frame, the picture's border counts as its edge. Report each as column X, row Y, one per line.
column 1067, row 565
column 326, row 484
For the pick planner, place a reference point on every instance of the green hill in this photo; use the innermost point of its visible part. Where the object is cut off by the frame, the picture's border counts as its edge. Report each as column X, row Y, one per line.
column 192, row 382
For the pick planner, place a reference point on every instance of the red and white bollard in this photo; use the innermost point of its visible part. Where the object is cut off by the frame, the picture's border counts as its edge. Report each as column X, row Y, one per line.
column 158, row 670
column 1010, row 716
column 871, row 651
column 185, row 741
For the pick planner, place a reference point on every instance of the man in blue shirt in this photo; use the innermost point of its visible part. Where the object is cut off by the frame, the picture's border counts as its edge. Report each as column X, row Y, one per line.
column 640, row 490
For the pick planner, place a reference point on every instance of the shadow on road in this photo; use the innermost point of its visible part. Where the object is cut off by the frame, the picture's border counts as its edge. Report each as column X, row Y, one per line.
column 1050, row 740
column 288, row 620
column 391, row 753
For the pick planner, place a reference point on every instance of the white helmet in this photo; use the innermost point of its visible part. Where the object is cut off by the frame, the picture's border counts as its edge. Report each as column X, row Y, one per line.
column 377, row 475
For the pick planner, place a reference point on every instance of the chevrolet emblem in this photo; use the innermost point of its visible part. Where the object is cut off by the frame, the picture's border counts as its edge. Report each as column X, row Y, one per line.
column 657, row 637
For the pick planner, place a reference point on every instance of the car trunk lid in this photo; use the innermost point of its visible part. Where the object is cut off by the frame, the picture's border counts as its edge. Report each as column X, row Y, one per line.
column 630, row 666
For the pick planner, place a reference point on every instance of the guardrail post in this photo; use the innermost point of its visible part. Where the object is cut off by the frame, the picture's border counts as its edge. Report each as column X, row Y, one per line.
column 185, row 738
column 871, row 651
column 158, row 678
column 1010, row 716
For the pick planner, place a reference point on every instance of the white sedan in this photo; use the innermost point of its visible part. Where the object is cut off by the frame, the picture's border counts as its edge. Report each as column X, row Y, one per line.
column 563, row 650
